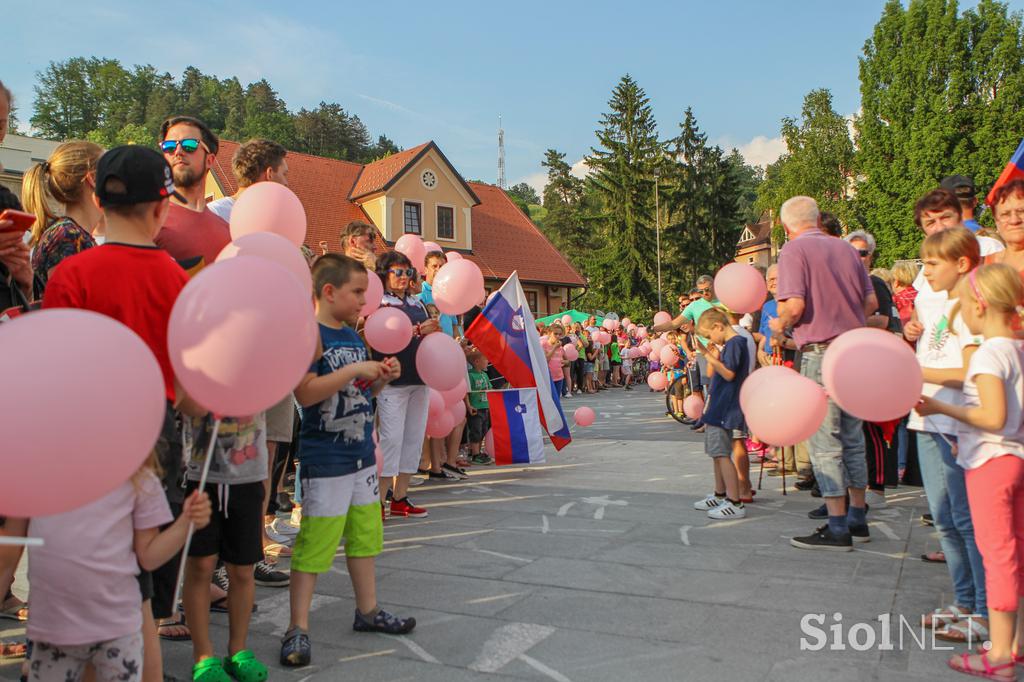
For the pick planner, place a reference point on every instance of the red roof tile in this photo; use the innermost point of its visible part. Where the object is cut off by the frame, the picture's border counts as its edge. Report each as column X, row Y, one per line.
column 378, row 175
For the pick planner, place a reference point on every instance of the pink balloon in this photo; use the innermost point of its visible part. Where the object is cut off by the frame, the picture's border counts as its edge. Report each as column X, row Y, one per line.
column 632, row 329
column 440, row 362
column 741, row 288
column 606, row 338
column 457, row 287
column 440, row 426
column 453, row 255
column 436, row 403
column 669, row 357
column 645, row 348
column 566, row 320
column 432, row 246
column 455, row 395
column 785, row 411
column 241, row 335
column 584, row 416
column 489, row 442
column 273, row 247
column 842, row 372
column 374, row 294
column 658, row 344
column 571, row 354
column 412, row 246
column 625, row 322
column 641, row 332
column 609, row 324
column 768, row 375
column 75, row 426
column 693, row 406
column 657, row 381
column 661, row 317
column 653, row 356
column 269, row 207
column 457, row 411
column 388, row 330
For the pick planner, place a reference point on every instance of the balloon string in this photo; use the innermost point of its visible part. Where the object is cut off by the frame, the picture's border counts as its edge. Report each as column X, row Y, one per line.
column 191, row 526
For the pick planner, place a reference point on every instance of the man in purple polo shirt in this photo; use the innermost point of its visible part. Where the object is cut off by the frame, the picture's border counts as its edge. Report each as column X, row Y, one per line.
column 823, row 291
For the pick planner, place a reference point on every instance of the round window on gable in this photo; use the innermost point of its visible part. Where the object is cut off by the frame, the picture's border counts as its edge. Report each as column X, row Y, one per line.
column 429, row 179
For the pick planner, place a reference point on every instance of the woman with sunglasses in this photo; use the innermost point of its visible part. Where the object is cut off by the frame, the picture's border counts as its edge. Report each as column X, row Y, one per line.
column 402, row 405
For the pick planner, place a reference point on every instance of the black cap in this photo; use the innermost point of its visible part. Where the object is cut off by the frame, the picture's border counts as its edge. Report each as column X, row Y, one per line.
column 143, row 172
column 960, row 185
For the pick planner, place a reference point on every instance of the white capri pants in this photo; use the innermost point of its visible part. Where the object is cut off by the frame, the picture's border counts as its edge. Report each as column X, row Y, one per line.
column 402, row 425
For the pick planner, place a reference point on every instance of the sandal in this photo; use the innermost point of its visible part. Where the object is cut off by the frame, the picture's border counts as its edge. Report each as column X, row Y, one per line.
column 278, row 550
column 210, row 670
column 13, row 650
column 244, row 667
column 964, row 631
column 181, row 634
column 14, row 609
column 943, row 617
column 934, row 558
column 964, row 664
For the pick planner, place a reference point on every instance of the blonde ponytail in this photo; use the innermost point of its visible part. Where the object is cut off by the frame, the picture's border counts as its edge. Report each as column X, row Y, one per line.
column 58, row 180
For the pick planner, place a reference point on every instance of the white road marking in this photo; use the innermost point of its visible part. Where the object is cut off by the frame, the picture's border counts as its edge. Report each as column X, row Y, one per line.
column 887, row 531
column 423, row 538
column 652, row 480
column 498, row 597
column 503, row 556
column 684, row 535
column 413, row 647
column 540, row 667
column 277, row 609
column 564, row 509
column 899, row 555
column 544, row 527
column 602, row 502
column 385, row 652
column 338, row 570
column 508, row 643
column 459, row 503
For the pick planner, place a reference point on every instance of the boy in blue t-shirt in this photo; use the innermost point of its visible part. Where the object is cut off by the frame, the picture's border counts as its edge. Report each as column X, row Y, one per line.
column 340, row 494
column 726, row 430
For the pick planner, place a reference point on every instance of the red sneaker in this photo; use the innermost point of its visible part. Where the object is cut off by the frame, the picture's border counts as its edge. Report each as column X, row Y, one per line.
column 404, row 507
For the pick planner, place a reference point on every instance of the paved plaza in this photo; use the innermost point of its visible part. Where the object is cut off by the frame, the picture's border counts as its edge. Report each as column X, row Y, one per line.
column 596, row 567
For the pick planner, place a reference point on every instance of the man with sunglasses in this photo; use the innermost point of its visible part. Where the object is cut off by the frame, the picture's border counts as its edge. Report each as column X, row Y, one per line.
column 192, row 234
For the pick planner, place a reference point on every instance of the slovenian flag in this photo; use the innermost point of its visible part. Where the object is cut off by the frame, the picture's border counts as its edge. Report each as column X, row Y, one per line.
column 515, row 426
column 505, row 332
column 1014, row 170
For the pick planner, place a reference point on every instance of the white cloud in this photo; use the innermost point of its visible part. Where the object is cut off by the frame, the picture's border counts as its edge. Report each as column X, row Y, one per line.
column 537, row 180
column 762, row 151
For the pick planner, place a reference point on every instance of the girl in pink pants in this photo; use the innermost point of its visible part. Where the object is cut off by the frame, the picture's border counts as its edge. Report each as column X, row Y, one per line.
column 991, row 449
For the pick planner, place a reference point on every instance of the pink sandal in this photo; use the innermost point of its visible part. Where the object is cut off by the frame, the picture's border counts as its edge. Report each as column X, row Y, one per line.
column 1004, row 672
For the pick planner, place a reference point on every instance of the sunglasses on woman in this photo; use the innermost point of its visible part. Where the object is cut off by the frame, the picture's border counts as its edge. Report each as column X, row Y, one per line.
column 402, row 272
column 189, row 145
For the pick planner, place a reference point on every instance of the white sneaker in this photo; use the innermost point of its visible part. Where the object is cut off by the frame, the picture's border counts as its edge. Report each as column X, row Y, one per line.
column 875, row 499
column 283, row 528
column 709, row 502
column 416, row 480
column 286, row 540
column 727, row 510
column 295, row 519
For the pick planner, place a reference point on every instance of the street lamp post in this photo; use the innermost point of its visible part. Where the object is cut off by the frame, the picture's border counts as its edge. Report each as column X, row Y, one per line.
column 657, row 230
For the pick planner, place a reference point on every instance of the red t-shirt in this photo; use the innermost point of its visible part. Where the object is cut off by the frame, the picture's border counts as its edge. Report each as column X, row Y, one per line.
column 193, row 238
column 135, row 285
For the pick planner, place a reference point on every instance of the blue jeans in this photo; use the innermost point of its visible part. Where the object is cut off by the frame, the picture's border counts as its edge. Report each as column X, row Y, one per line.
column 947, row 501
column 902, row 445
column 560, row 388
column 837, row 448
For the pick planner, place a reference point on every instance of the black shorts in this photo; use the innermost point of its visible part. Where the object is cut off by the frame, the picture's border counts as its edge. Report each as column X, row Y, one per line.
column 477, row 425
column 235, row 533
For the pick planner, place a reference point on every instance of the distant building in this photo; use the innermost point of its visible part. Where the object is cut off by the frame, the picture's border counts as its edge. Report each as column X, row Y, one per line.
column 755, row 244
column 18, row 153
column 418, row 191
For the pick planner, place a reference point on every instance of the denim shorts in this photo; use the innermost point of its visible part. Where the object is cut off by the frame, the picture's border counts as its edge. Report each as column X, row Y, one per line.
column 837, row 448
column 718, row 441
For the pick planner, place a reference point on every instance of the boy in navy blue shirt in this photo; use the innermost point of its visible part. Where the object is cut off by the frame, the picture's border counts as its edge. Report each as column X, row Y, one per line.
column 726, row 431
column 340, row 493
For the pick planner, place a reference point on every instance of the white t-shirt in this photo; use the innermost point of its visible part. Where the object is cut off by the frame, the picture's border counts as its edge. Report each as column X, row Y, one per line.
column 1003, row 358
column 751, row 346
column 940, row 347
column 222, row 208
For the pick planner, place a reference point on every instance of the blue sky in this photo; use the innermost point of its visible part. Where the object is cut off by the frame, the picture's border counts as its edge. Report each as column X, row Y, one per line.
column 445, row 70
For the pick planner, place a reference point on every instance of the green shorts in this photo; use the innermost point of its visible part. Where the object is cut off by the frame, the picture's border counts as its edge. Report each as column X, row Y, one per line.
column 334, row 508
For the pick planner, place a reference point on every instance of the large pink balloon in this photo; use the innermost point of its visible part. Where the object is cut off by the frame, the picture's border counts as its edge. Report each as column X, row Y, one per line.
column 412, row 246
column 610, row 324
column 374, row 294
column 657, row 381
column 645, row 348
column 669, row 357
column 456, row 394
column 269, row 207
column 440, row 426
column 584, row 416
column 785, row 411
column 740, row 288
column 693, row 406
column 75, row 424
column 842, row 372
column 658, row 344
column 625, row 322
column 457, row 412
column 430, row 247
column 661, row 317
column 457, row 287
column 436, row 404
column 388, row 330
column 641, row 332
column 241, row 335
column 653, row 357
column 273, row 247
column 440, row 362
column 571, row 354
column 566, row 320
column 453, row 255
column 489, row 442
column 768, row 375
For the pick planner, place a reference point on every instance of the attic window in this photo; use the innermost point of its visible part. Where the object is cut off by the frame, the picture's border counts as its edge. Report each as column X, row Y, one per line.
column 747, row 235
column 413, row 218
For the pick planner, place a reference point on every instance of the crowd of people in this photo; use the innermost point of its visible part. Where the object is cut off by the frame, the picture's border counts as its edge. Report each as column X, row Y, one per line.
column 134, row 225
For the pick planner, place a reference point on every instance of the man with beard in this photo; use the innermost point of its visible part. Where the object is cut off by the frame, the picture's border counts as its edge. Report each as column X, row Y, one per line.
column 193, row 234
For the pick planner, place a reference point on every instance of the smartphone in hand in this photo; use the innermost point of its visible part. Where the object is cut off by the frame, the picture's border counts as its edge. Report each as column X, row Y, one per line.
column 21, row 221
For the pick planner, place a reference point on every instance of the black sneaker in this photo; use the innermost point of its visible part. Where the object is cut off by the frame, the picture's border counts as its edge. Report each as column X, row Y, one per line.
column 805, row 483
column 927, row 520
column 819, row 513
column 860, row 533
column 268, row 576
column 454, row 471
column 823, row 539
column 815, row 490
column 296, row 651
column 383, row 622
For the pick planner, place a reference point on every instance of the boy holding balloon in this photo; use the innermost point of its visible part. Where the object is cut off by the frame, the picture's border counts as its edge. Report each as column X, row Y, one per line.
column 340, row 488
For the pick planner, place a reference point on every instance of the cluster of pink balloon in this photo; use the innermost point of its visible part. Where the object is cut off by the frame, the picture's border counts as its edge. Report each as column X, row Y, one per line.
column 447, row 409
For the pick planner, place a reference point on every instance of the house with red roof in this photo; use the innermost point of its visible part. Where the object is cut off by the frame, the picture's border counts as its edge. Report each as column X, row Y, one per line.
column 418, row 191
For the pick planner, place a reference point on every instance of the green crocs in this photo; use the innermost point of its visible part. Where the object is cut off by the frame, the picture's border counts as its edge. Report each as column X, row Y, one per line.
column 210, row 670
column 245, row 667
